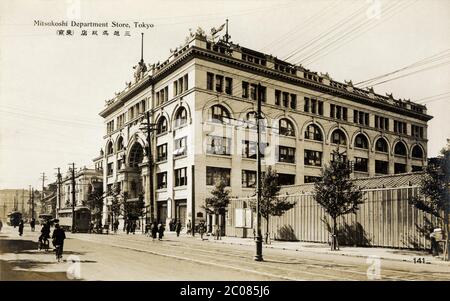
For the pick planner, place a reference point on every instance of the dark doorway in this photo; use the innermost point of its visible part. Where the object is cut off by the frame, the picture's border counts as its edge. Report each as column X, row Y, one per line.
column 162, row 212
column 181, row 210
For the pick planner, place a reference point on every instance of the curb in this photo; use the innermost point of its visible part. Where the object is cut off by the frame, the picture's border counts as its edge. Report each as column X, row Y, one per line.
column 332, row 253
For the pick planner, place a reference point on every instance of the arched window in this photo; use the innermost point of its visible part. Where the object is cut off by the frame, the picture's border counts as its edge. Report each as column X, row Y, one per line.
column 161, row 126
column 286, row 127
column 180, row 117
column 313, row 132
column 136, row 155
column 417, row 152
column 338, row 137
column 109, row 148
column 381, row 145
column 361, row 141
column 120, row 143
column 400, row 149
column 219, row 114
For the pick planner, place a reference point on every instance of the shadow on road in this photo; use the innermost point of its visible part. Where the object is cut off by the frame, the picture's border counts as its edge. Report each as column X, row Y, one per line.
column 9, row 272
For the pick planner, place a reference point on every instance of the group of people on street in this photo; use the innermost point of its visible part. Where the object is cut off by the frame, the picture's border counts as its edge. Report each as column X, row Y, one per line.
column 157, row 230
column 130, row 226
column 58, row 237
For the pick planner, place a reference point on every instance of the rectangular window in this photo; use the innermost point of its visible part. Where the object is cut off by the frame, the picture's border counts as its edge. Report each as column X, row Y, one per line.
column 314, row 106
column 381, row 167
column 286, row 154
column 263, row 93
column 249, row 178
column 313, row 158
column 416, row 168
column 219, row 83
column 110, row 126
column 229, row 85
column 218, row 145
column 249, row 149
column 186, row 83
column 399, row 168
column 399, row 127
column 306, row 107
column 285, row 99
column 382, row 123
column 338, row 112
column 277, row 97
column 216, row 174
column 175, row 88
column 334, row 157
column 293, row 101
column 161, row 152
column 244, row 90
column 416, row 131
column 161, row 180
column 360, row 117
column 209, row 81
column 109, row 169
column 312, row 179
column 180, row 85
column 180, row 147
column 181, row 176
column 361, row 164
column 320, row 110
column 253, row 89
column 286, row 179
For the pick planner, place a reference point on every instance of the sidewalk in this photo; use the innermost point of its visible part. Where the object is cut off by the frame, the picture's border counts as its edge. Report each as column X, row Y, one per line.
column 383, row 253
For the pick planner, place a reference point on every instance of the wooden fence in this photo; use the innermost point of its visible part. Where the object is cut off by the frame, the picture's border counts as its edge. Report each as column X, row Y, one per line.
column 385, row 219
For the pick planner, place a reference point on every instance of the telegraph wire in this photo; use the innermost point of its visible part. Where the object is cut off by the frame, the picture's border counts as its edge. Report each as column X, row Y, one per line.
column 341, row 42
column 327, row 32
column 342, row 35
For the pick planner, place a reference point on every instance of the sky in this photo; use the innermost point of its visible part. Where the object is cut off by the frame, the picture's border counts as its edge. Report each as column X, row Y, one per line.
column 53, row 87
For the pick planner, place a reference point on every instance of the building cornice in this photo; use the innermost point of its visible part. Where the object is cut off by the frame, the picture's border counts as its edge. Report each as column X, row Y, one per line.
column 226, row 60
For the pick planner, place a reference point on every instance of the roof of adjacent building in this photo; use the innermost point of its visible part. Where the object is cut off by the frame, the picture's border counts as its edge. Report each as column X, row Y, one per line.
column 385, row 181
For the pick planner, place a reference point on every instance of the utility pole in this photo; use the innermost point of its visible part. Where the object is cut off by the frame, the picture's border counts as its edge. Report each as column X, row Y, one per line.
column 150, row 167
column 43, row 178
column 58, row 200
column 23, row 200
column 73, row 197
column 258, row 256
column 32, row 203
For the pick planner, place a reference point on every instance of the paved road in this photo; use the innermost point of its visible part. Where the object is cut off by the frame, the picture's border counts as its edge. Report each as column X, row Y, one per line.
column 137, row 257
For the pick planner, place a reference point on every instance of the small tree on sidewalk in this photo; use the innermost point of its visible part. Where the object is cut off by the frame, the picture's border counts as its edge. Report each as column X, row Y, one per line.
column 434, row 192
column 95, row 202
column 336, row 193
column 218, row 202
column 272, row 204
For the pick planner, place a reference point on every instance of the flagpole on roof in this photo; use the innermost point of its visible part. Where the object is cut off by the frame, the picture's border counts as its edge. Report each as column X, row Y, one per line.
column 226, row 34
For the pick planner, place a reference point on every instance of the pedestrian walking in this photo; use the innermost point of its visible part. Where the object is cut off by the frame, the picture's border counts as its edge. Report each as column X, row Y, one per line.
column 189, row 227
column 201, row 229
column 128, row 226
column 133, row 227
column 160, row 231
column 32, row 224
column 154, row 230
column 218, row 232
column 1, row 225
column 58, row 237
column 21, row 227
column 116, row 226
column 178, row 228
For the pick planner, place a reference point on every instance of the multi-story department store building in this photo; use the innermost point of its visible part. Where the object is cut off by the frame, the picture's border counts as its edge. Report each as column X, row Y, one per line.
column 202, row 102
